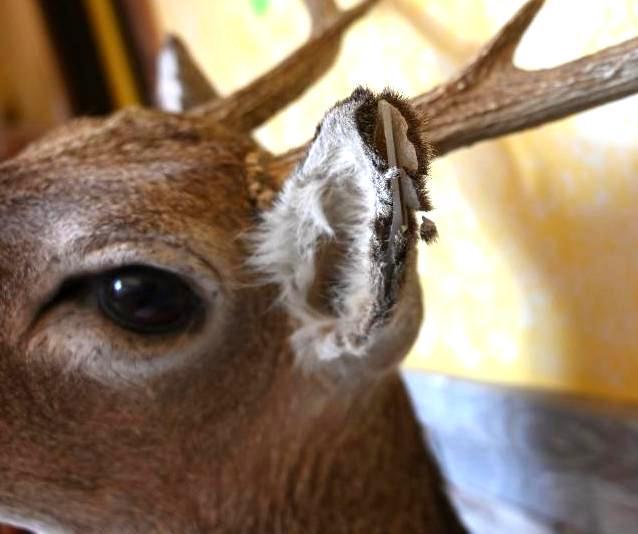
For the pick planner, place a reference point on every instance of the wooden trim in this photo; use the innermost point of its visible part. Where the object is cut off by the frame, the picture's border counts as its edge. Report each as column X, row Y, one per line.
column 142, row 34
column 113, row 52
column 76, row 50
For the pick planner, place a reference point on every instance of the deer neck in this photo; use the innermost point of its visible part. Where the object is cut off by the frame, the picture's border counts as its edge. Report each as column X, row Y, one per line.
column 359, row 461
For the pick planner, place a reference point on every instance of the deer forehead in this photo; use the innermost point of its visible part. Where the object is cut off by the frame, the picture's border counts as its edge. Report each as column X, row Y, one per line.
column 137, row 176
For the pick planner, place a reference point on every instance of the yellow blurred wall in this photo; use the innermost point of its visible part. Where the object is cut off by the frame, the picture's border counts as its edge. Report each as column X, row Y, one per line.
column 31, row 88
column 534, row 280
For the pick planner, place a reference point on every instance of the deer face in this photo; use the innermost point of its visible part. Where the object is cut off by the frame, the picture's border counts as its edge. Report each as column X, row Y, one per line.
column 159, row 329
column 122, row 295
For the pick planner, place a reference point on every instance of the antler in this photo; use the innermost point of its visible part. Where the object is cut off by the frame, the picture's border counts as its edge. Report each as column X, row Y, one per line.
column 491, row 97
column 252, row 105
column 322, row 12
column 181, row 85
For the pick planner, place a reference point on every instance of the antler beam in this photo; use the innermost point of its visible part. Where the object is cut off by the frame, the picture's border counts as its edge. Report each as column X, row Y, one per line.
column 491, row 97
column 251, row 106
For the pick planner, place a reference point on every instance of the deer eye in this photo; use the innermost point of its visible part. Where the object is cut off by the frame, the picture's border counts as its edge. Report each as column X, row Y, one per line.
column 147, row 300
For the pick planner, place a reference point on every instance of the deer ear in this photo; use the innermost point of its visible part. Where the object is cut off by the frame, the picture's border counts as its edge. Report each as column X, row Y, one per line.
column 340, row 239
column 180, row 84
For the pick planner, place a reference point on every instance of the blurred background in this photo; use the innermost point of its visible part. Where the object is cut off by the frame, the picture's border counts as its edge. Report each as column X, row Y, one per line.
column 533, row 284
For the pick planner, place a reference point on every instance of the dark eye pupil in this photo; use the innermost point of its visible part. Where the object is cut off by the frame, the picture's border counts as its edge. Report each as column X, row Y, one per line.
column 147, row 300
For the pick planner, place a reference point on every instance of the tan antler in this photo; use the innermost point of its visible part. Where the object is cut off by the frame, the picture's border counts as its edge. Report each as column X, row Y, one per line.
column 181, row 84
column 492, row 97
column 252, row 105
column 322, row 12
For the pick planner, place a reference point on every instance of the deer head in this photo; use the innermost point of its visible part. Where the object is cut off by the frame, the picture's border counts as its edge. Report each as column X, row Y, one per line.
column 190, row 342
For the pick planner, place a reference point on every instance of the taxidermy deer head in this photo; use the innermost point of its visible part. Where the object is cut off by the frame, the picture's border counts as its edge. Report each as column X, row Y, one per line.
column 199, row 336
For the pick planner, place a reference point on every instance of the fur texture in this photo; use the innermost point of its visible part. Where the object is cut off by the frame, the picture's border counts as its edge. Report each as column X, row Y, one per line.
column 332, row 232
column 213, row 428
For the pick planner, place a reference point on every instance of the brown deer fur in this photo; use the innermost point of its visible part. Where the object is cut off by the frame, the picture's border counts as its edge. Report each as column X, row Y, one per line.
column 237, row 438
column 279, row 411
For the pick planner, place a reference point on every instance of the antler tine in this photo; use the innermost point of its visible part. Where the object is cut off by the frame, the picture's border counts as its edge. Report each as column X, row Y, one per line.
column 322, row 12
column 491, row 97
column 252, row 105
column 180, row 83
column 500, row 50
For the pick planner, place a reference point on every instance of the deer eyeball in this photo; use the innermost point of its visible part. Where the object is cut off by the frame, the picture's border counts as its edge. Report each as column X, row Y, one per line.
column 128, row 312
column 147, row 300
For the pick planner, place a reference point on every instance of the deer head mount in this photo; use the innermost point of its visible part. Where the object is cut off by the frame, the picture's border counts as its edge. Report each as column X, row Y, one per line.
column 199, row 336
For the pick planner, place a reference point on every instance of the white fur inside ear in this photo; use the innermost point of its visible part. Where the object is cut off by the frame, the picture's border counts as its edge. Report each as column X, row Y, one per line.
column 311, row 210
column 334, row 197
column 330, row 208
